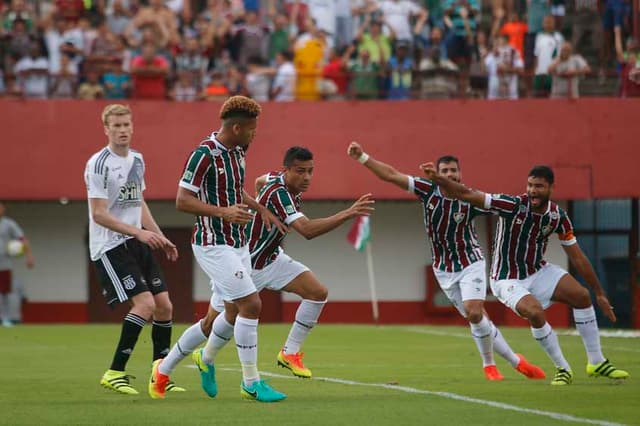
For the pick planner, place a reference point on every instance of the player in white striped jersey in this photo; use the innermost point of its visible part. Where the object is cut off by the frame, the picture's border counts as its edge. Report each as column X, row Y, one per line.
column 272, row 268
column 122, row 233
column 525, row 282
column 458, row 263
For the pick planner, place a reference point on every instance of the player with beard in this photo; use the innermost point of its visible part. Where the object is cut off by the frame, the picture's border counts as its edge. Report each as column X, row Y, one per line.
column 525, row 282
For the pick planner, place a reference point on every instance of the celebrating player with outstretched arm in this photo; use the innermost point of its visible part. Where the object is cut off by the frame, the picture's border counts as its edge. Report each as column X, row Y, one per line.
column 525, row 282
column 281, row 193
column 458, row 263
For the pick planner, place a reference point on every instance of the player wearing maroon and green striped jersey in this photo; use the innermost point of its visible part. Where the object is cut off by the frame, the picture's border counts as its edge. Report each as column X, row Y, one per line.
column 212, row 189
column 458, row 263
column 280, row 193
column 525, row 282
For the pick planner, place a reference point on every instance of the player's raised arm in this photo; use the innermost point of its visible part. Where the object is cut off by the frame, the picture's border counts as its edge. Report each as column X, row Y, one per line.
column 454, row 189
column 311, row 228
column 380, row 169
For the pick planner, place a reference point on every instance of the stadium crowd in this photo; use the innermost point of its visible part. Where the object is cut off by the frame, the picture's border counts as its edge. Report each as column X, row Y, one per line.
column 284, row 50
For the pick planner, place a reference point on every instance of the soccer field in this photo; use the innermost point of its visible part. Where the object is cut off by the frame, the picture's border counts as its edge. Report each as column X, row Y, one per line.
column 400, row 375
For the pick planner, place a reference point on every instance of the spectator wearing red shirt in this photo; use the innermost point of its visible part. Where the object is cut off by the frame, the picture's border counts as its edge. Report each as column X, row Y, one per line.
column 336, row 69
column 149, row 71
column 70, row 10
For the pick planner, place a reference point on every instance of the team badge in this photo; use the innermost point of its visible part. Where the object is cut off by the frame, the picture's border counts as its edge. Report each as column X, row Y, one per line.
column 128, row 282
column 187, row 175
column 156, row 282
column 546, row 230
column 239, row 275
column 519, row 221
column 458, row 217
column 554, row 215
column 290, row 209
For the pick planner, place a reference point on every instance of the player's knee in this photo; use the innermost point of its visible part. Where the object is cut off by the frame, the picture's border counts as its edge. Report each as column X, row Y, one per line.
column 318, row 294
column 474, row 315
column 163, row 309
column 144, row 308
column 251, row 308
column 582, row 299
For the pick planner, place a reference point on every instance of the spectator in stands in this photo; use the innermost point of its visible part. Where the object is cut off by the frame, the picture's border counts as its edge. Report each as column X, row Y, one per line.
column 258, row 79
column 566, row 71
column 398, row 14
column 104, row 49
column 18, row 11
column 558, row 11
column 436, row 39
column 161, row 17
column 587, row 29
column 536, row 11
column 250, row 38
column 33, row 73
column 117, row 84
column 91, row 89
column 192, row 59
column 616, row 13
column 460, row 19
column 184, row 90
column 64, row 82
column 504, row 64
column 70, row 10
column 515, row 29
column 336, row 70
column 629, row 60
column 119, row 16
column 547, row 47
column 279, row 38
column 400, row 69
column 365, row 77
column 149, row 71
column 344, row 24
column 478, row 80
column 323, row 13
column 54, row 28
column 235, row 81
column 19, row 42
column 437, row 77
column 284, row 82
column 371, row 38
column 217, row 89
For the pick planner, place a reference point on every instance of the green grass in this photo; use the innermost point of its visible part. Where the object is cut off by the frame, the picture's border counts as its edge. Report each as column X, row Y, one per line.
column 50, row 375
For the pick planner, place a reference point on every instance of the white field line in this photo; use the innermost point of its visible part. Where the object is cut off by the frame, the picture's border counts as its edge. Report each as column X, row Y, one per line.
column 448, row 395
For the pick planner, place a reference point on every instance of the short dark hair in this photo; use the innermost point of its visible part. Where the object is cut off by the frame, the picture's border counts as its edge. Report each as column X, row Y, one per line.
column 544, row 172
column 447, row 159
column 296, row 153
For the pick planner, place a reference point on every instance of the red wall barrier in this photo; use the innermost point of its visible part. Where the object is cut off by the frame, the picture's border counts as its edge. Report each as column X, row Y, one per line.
column 592, row 143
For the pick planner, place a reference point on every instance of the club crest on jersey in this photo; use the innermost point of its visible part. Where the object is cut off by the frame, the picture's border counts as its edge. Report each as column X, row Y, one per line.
column 290, row 209
column 187, row 175
column 519, row 221
column 458, row 217
column 239, row 275
column 546, row 230
column 554, row 216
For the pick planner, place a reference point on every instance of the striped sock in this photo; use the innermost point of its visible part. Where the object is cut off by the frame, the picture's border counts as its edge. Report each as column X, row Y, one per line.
column 131, row 328
column 549, row 342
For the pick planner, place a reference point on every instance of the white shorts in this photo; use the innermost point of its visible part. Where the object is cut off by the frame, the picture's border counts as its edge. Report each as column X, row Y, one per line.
column 468, row 284
column 228, row 268
column 540, row 285
column 274, row 276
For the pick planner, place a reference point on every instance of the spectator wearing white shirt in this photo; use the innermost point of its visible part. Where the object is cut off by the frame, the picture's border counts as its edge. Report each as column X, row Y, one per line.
column 566, row 71
column 33, row 73
column 397, row 14
column 284, row 83
column 546, row 49
column 504, row 64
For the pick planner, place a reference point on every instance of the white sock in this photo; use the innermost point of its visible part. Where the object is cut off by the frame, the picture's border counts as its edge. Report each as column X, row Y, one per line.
column 246, row 335
column 483, row 335
column 549, row 342
column 221, row 333
column 502, row 348
column 306, row 318
column 588, row 328
column 187, row 343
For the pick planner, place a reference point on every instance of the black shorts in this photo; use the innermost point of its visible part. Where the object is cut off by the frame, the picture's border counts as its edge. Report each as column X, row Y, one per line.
column 127, row 270
column 459, row 49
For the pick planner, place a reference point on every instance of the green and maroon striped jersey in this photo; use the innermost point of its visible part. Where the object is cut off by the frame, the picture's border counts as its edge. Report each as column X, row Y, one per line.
column 264, row 245
column 522, row 236
column 216, row 174
column 450, row 227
